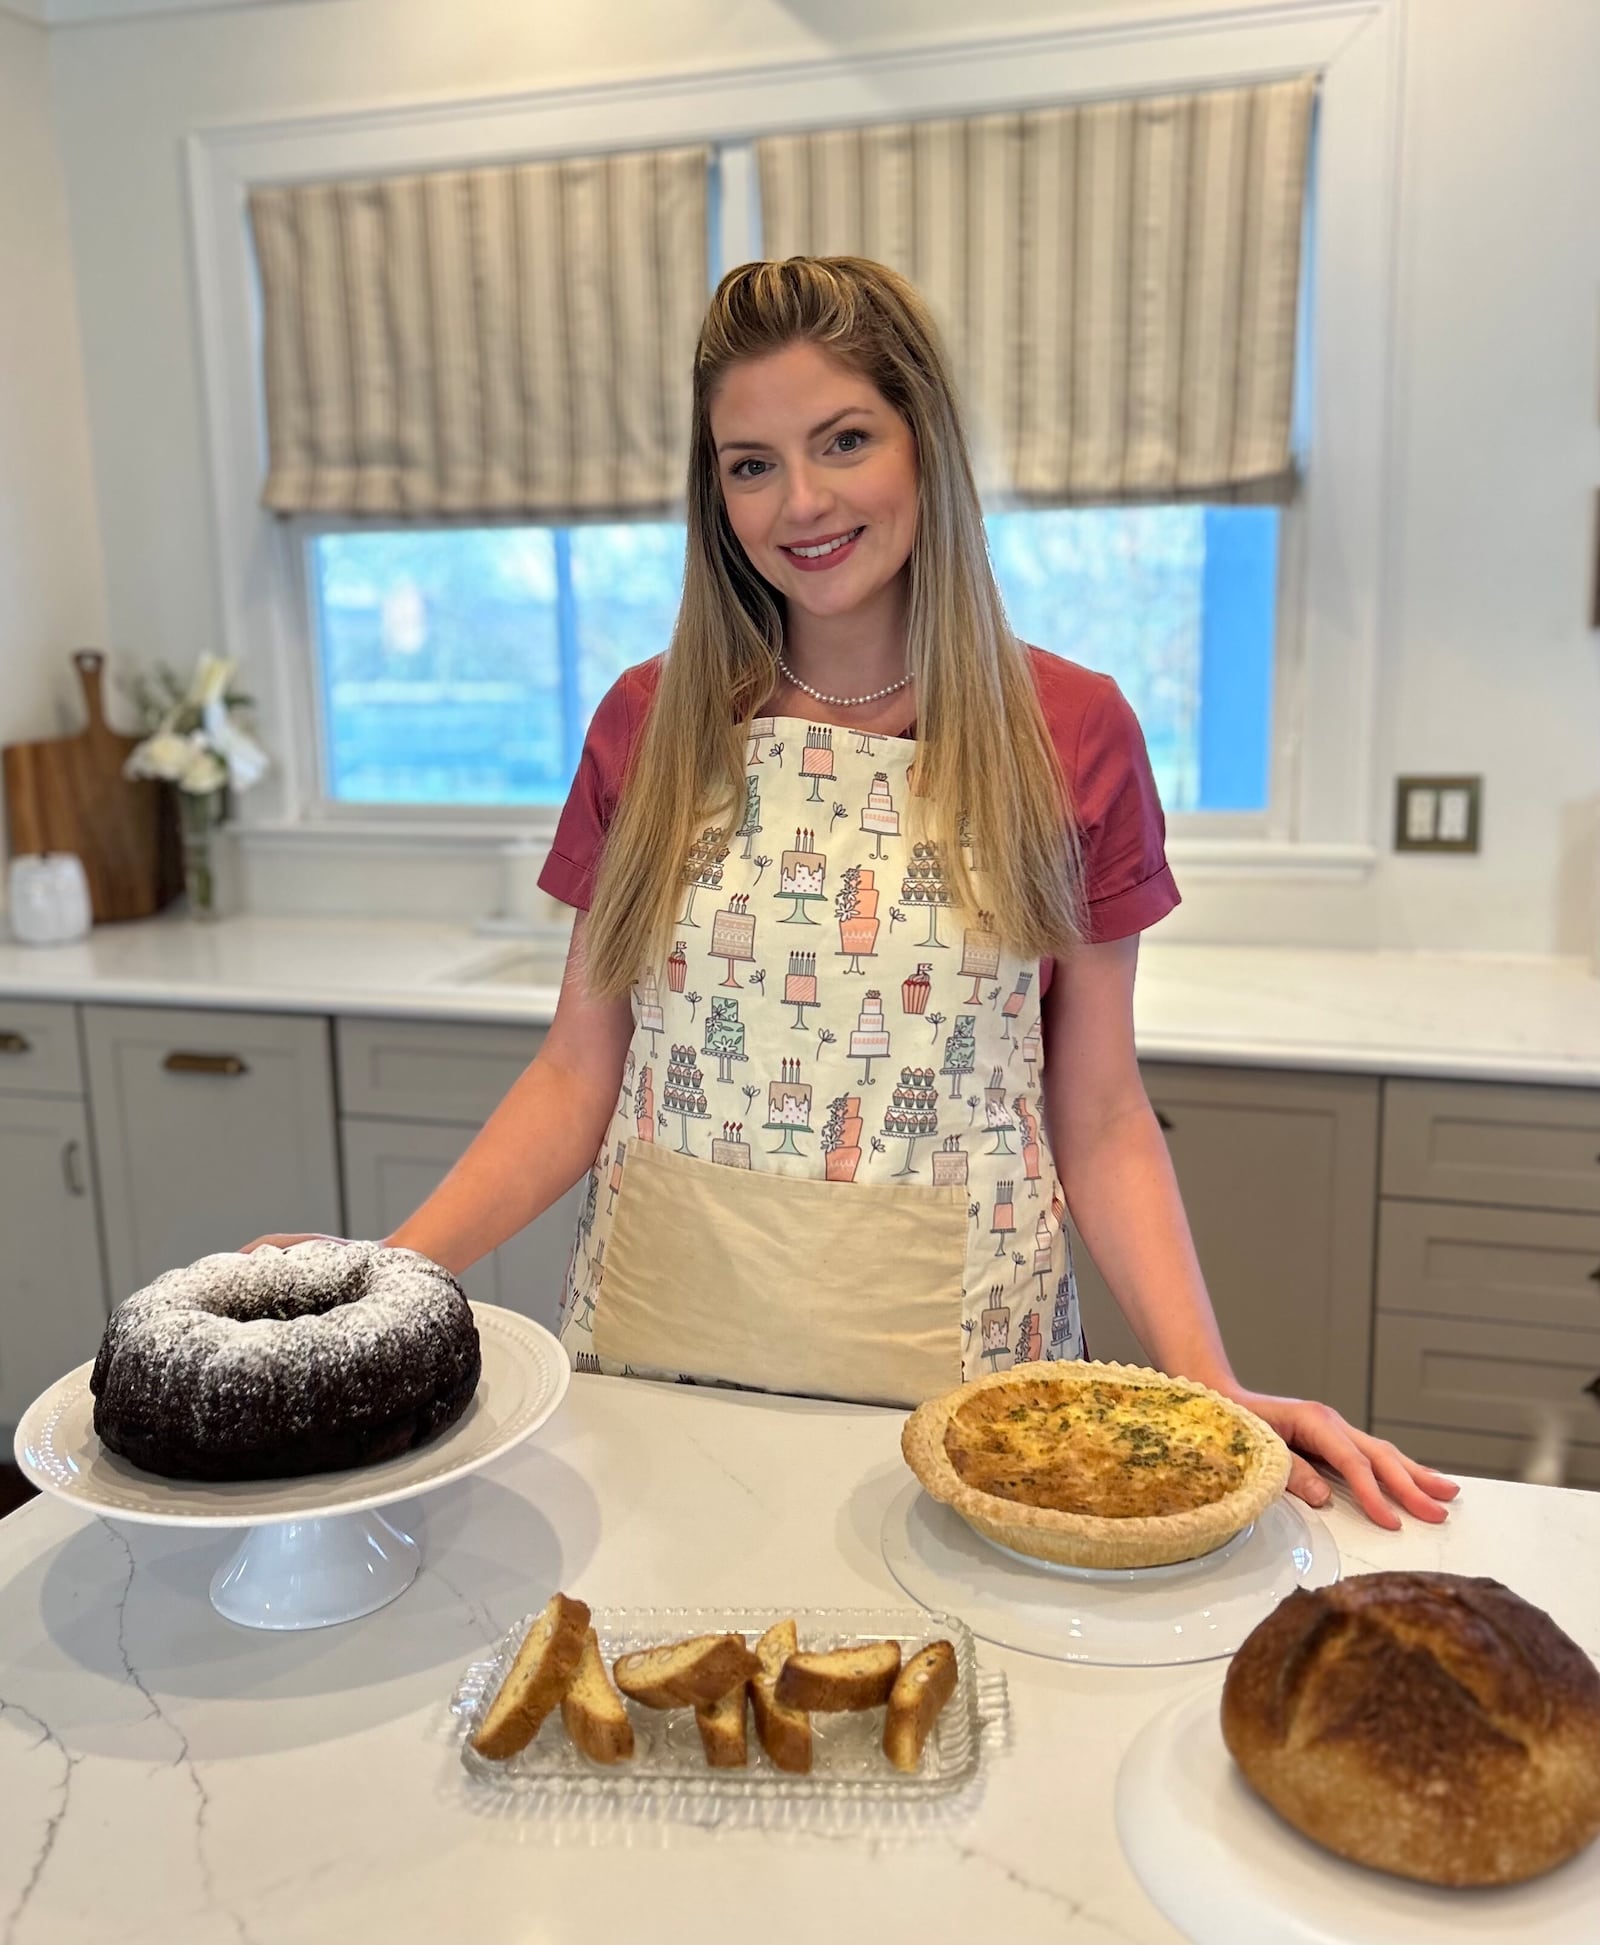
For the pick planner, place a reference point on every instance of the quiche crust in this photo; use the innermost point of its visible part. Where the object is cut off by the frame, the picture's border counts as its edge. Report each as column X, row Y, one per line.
column 1228, row 1453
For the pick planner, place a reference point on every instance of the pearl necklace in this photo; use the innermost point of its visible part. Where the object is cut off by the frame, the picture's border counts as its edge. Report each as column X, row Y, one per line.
column 839, row 702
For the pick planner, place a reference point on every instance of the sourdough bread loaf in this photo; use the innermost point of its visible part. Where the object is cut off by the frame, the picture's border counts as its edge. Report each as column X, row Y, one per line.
column 1422, row 1723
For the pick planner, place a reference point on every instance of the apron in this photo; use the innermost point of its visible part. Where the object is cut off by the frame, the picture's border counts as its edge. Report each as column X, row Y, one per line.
column 827, row 1172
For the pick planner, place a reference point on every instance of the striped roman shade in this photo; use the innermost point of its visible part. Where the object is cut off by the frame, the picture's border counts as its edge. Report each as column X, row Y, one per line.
column 508, row 340
column 1117, row 282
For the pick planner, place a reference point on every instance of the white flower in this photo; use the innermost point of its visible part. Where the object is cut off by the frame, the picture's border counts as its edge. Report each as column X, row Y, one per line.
column 212, row 675
column 164, row 755
column 246, row 760
column 205, row 771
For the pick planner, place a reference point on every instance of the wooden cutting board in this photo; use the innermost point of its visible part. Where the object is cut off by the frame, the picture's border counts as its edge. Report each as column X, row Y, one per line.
column 68, row 793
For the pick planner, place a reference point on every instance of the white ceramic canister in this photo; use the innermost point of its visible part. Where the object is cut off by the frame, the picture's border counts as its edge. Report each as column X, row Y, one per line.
column 47, row 899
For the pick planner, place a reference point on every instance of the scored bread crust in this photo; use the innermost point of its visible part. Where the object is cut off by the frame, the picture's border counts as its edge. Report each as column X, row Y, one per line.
column 1426, row 1724
column 537, row 1679
column 1087, row 1539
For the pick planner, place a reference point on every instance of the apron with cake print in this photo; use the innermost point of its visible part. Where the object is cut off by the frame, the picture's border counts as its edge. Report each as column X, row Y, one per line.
column 827, row 1172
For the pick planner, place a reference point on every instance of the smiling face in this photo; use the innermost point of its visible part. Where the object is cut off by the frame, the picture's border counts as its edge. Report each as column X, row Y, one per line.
column 819, row 477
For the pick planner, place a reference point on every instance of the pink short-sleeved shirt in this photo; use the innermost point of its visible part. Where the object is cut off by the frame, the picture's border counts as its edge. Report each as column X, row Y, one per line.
column 1097, row 740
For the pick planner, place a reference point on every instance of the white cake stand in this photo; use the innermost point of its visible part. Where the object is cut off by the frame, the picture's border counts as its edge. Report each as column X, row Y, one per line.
column 315, row 1550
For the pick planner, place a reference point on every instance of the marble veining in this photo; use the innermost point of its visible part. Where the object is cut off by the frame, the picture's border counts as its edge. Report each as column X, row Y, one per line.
column 167, row 1777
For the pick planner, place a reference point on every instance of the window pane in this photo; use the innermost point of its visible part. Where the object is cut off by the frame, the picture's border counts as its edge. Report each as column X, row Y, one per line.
column 1178, row 605
column 625, row 586
column 462, row 666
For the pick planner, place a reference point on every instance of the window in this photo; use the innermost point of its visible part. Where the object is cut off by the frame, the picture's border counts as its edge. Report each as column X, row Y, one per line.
column 1179, row 605
column 461, row 666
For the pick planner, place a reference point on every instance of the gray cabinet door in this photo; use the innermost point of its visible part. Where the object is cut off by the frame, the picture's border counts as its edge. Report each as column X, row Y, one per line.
column 391, row 1166
column 430, row 1070
column 210, row 1128
column 52, row 1292
column 1278, row 1174
column 1514, row 1266
column 1489, row 1142
column 39, row 1048
column 1467, row 1376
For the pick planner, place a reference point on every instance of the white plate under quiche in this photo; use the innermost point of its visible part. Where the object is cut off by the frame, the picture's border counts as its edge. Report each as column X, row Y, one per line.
column 1096, row 1465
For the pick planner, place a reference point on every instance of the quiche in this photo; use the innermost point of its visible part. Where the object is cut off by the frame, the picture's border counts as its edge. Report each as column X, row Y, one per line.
column 1096, row 1465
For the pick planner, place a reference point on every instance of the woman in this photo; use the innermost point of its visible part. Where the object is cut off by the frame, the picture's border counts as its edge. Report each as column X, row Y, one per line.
column 847, row 862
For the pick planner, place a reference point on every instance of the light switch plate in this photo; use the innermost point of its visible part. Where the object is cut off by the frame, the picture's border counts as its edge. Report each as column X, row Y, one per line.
column 1437, row 813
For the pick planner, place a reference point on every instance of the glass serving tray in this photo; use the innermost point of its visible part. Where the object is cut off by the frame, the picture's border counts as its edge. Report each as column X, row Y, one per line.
column 849, row 1773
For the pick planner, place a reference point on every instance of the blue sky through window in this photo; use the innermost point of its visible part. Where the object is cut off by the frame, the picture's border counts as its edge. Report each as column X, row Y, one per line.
column 460, row 666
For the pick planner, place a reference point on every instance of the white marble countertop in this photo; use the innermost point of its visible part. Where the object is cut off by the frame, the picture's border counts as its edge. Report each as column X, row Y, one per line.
column 168, row 1777
column 1456, row 1015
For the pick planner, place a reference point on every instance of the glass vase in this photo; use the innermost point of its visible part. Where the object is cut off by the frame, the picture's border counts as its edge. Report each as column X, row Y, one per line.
column 200, row 817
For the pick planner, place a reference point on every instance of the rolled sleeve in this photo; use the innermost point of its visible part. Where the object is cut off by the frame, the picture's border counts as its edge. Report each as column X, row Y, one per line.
column 574, row 858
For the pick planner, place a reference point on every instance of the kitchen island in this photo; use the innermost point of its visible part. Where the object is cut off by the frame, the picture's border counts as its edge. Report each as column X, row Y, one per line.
column 166, row 1776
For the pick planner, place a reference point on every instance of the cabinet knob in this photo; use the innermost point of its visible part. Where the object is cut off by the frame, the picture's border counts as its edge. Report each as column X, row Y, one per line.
column 13, row 1043
column 1163, row 1122
column 1594, row 1274
column 72, row 1170
column 182, row 1063
column 1593, row 1387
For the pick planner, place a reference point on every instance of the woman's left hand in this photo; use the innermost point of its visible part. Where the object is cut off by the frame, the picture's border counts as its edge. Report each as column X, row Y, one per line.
column 1371, row 1467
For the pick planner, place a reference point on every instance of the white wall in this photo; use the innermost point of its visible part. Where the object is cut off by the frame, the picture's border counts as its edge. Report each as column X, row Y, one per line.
column 1488, row 665
column 51, row 593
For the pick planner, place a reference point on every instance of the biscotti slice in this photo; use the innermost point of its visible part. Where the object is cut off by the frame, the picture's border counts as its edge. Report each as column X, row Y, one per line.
column 682, row 1674
column 844, row 1678
column 921, row 1690
column 785, row 1733
column 537, row 1679
column 723, row 1733
column 592, row 1710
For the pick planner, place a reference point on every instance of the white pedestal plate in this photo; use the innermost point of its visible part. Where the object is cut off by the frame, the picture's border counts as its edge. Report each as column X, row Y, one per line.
column 314, row 1550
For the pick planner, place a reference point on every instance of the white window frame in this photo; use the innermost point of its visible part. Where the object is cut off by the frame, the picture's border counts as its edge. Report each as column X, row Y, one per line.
column 1333, row 569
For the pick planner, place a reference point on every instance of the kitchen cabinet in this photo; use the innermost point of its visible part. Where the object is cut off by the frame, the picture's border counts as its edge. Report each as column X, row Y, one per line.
column 52, row 1286
column 1278, row 1174
column 412, row 1095
column 1488, row 1282
column 209, row 1128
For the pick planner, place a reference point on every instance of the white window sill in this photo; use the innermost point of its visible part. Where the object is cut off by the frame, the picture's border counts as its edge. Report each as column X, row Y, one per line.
column 1200, row 859
column 1192, row 858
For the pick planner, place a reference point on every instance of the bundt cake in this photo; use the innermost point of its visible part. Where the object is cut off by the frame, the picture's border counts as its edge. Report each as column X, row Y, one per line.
column 309, row 1359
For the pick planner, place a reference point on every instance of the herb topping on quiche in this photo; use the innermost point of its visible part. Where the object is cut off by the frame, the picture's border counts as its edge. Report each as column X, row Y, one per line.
column 1120, row 1451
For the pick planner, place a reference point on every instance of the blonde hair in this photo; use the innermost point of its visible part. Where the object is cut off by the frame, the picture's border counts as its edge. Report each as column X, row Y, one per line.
column 984, row 759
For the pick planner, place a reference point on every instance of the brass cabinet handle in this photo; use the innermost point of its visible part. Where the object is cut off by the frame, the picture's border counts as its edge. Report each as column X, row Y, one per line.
column 1163, row 1122
column 71, row 1170
column 181, row 1063
column 13, row 1043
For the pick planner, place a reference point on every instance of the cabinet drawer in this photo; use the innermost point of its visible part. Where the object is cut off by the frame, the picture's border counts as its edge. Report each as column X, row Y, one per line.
column 1491, row 1455
column 39, row 1048
column 210, row 1128
column 52, row 1290
column 1511, row 1266
column 422, row 1070
column 1461, row 1141
column 1507, row 1378
column 392, row 1166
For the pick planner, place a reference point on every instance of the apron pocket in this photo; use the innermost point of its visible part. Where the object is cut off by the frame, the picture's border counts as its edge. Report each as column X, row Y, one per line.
column 783, row 1283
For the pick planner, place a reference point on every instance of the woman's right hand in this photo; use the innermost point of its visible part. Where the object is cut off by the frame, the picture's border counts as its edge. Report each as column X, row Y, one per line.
column 287, row 1242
